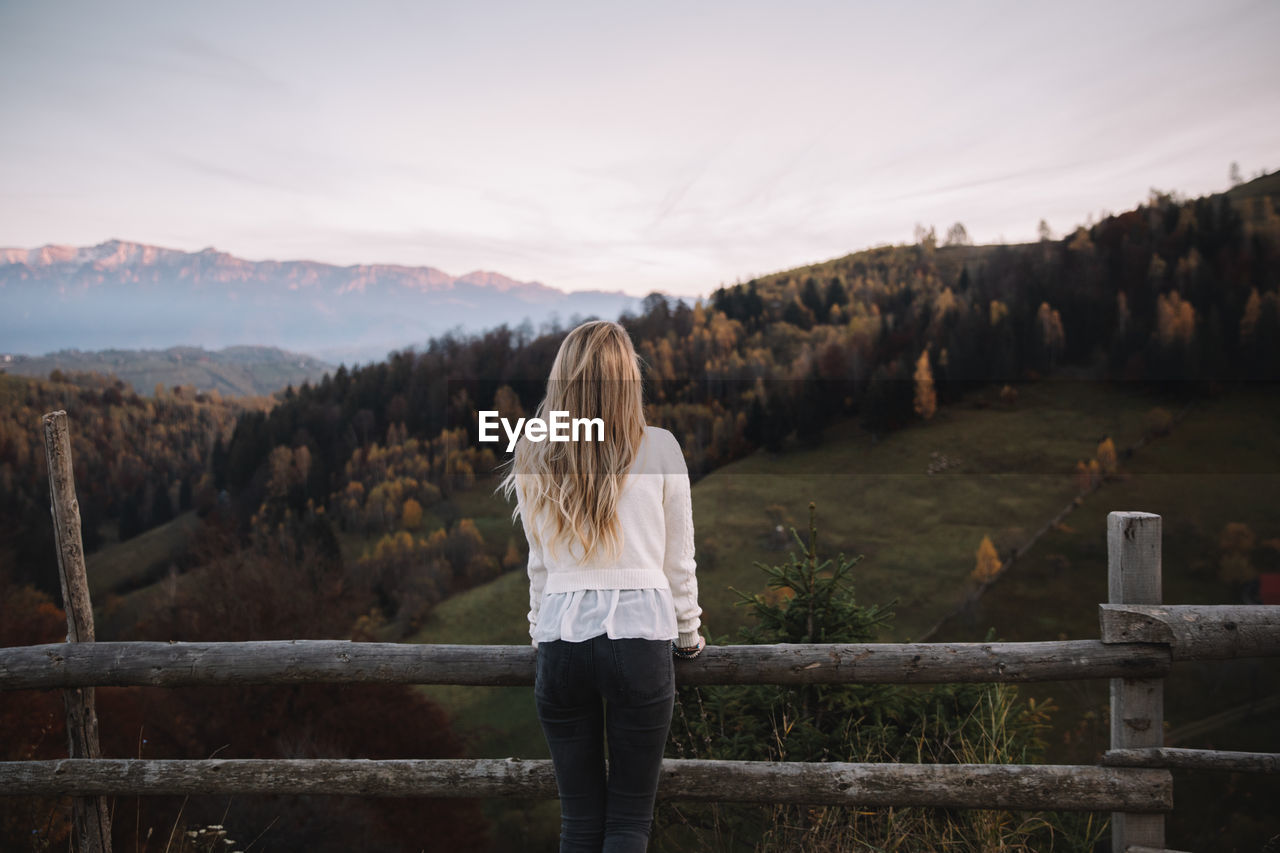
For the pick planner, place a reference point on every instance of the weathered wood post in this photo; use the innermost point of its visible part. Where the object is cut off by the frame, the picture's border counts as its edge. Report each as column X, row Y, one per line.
column 1137, row 704
column 90, row 817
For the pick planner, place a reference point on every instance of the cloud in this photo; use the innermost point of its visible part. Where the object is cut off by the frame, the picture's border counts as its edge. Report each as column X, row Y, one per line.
column 253, row 179
column 203, row 58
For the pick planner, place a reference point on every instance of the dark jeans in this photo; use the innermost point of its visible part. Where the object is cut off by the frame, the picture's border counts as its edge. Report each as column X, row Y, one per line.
column 586, row 693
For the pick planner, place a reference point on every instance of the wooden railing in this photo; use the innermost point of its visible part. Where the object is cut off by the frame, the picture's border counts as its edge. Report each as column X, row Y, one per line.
column 1140, row 640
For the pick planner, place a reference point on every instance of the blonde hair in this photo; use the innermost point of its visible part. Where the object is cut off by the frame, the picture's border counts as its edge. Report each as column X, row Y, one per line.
column 596, row 374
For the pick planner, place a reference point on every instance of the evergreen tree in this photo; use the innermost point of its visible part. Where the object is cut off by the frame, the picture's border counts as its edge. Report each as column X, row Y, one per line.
column 835, row 294
column 753, row 305
column 796, row 315
column 889, row 398
column 812, row 299
column 161, row 506
column 754, row 431
column 777, row 425
column 129, row 524
column 810, row 412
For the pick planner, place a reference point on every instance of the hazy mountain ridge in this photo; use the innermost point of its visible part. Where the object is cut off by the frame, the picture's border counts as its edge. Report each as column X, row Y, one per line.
column 142, row 262
column 233, row 371
column 120, row 294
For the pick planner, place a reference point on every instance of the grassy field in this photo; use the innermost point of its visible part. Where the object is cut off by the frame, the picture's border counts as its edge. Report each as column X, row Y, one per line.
column 1222, row 464
column 137, row 560
column 128, row 579
column 1010, row 469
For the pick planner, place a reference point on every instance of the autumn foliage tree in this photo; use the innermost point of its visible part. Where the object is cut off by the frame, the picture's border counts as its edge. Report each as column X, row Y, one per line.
column 1053, row 337
column 1176, row 320
column 988, row 561
column 132, row 455
column 1083, row 477
column 1106, row 456
column 411, row 515
column 926, row 400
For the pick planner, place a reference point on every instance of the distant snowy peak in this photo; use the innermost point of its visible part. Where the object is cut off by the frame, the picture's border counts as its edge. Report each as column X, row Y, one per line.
column 139, row 262
column 112, row 253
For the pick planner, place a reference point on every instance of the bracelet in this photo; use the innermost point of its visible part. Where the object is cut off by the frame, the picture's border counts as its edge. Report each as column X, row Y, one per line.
column 688, row 653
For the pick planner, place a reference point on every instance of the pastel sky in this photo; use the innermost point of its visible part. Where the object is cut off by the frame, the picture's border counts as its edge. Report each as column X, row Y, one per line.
column 634, row 146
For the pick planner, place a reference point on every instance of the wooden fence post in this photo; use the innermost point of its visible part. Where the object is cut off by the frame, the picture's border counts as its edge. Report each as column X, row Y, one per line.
column 90, row 816
column 1137, row 704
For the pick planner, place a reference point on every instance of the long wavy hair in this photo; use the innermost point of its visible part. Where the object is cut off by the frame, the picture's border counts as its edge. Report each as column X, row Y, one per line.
column 576, row 485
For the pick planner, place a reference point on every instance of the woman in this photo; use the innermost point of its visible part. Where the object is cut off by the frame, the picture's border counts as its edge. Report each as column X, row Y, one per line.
column 611, row 587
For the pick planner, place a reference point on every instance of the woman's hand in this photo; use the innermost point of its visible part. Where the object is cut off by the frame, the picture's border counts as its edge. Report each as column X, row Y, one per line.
column 690, row 652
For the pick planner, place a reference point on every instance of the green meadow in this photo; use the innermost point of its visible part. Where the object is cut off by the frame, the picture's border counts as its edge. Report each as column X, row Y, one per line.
column 136, row 562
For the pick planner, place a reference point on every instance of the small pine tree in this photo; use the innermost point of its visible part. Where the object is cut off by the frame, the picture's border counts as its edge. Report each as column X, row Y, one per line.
column 819, row 607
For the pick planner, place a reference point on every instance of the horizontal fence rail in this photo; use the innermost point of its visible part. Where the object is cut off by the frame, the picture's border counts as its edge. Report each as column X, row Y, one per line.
column 986, row 786
column 341, row 661
column 1194, row 759
column 1196, row 631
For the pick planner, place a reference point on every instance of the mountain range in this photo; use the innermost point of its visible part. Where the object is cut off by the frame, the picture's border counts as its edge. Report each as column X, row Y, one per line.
column 124, row 295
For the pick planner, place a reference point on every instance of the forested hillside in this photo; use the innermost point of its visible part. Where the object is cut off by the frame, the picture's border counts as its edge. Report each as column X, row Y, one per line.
column 139, row 462
column 232, row 371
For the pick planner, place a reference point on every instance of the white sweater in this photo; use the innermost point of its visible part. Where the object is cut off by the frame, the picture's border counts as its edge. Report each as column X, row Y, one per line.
column 655, row 512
